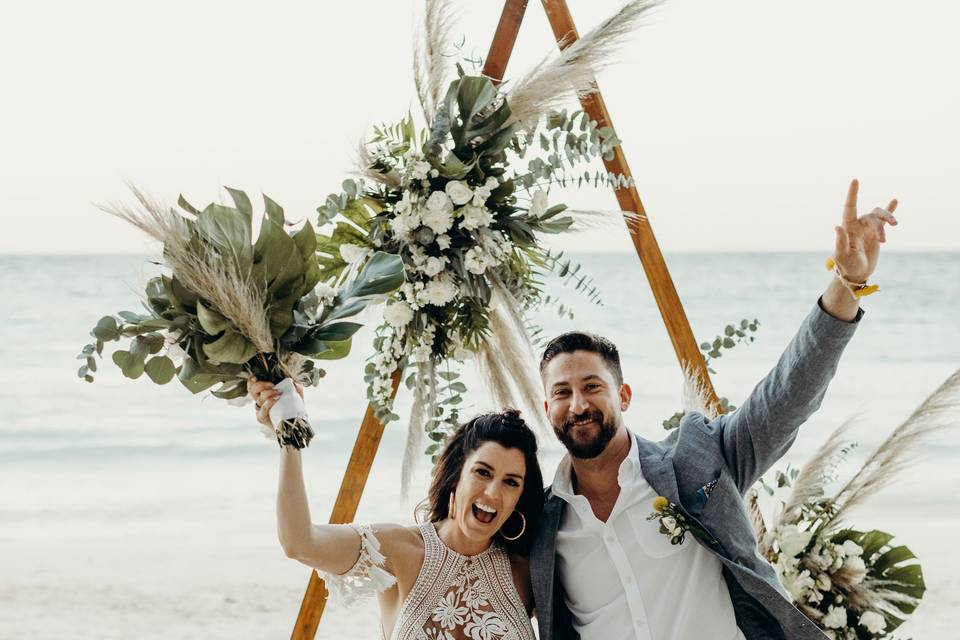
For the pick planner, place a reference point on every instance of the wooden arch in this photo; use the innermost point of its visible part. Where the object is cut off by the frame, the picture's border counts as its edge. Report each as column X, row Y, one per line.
column 645, row 243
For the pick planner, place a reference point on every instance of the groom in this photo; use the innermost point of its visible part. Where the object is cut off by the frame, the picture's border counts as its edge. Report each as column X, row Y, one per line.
column 600, row 569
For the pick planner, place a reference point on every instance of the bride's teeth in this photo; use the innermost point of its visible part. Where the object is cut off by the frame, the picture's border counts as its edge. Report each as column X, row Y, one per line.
column 484, row 508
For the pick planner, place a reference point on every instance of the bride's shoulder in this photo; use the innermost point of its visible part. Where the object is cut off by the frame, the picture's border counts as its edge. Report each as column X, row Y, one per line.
column 399, row 541
column 402, row 547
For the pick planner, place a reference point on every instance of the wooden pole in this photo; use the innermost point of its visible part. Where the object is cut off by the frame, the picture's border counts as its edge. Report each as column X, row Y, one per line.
column 344, row 510
column 645, row 243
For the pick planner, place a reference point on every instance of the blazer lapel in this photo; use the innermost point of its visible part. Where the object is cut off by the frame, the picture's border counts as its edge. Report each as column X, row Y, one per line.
column 657, row 469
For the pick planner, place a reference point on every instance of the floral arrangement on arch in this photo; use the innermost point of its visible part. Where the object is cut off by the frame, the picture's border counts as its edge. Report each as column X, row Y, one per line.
column 463, row 200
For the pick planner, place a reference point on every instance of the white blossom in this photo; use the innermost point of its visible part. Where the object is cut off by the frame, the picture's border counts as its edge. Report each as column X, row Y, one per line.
column 325, row 292
column 480, row 194
column 440, row 201
column 434, row 265
column 443, row 241
column 351, row 252
column 851, row 548
column 459, row 192
column 793, row 541
column 873, row 622
column 823, row 582
column 538, row 205
column 398, row 314
column 856, row 566
column 798, row 585
column 420, row 169
column 836, row 618
column 438, row 292
column 438, row 219
column 475, row 217
column 475, row 260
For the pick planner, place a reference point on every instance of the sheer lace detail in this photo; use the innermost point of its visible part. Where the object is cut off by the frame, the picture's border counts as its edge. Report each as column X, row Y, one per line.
column 366, row 576
column 459, row 597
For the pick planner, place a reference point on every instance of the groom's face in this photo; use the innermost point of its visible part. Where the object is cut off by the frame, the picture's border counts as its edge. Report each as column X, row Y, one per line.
column 584, row 402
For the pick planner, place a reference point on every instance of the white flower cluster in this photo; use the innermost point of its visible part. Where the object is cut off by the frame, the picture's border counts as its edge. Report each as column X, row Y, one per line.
column 385, row 361
column 807, row 577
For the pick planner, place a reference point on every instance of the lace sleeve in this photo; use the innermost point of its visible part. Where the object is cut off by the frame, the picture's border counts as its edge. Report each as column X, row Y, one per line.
column 366, row 576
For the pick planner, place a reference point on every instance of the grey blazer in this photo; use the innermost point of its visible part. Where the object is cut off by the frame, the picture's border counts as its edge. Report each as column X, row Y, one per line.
column 735, row 450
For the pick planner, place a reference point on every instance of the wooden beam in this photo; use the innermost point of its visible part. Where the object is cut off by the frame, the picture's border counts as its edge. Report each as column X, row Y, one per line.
column 644, row 241
column 344, row 510
column 503, row 40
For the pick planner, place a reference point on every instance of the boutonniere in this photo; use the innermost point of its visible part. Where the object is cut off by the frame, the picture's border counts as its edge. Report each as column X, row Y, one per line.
column 674, row 524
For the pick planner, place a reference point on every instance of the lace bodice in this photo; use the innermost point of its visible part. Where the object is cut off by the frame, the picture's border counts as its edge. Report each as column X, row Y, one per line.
column 459, row 597
column 455, row 597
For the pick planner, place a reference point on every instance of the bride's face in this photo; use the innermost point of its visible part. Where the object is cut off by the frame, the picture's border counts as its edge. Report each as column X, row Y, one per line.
column 488, row 490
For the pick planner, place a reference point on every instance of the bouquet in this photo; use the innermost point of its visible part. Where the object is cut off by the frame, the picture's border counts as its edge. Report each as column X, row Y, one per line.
column 856, row 585
column 463, row 201
column 230, row 308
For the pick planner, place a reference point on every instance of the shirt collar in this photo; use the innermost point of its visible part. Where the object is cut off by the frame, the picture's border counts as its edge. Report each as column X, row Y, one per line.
column 628, row 472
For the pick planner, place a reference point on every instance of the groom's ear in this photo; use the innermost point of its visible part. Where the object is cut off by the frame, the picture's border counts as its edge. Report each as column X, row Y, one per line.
column 626, row 394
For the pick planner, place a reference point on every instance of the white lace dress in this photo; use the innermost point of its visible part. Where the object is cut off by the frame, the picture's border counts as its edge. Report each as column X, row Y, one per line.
column 455, row 597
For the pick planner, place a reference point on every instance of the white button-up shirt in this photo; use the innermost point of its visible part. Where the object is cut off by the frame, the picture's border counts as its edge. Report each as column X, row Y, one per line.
column 625, row 581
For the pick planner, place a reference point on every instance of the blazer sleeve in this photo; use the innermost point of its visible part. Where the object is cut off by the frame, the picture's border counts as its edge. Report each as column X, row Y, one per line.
column 760, row 431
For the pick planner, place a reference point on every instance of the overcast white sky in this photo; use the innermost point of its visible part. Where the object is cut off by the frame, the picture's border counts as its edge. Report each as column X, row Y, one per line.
column 742, row 120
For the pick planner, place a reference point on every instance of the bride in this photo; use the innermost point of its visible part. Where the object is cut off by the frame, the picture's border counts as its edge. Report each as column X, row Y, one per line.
column 462, row 573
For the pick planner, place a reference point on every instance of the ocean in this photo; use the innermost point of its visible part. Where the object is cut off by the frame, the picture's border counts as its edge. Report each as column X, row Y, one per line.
column 132, row 510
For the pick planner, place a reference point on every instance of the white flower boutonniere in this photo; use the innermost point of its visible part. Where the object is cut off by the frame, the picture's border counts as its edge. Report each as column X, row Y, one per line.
column 675, row 524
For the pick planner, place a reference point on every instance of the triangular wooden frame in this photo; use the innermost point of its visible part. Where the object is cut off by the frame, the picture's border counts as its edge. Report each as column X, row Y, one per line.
column 645, row 243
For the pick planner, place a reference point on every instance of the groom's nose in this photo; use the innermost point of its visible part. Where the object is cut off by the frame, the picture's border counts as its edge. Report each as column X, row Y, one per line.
column 578, row 403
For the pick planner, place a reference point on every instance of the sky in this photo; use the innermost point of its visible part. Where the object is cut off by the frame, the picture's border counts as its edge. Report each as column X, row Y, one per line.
column 743, row 121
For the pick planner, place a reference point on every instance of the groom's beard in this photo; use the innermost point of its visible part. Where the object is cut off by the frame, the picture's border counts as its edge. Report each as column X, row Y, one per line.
column 592, row 446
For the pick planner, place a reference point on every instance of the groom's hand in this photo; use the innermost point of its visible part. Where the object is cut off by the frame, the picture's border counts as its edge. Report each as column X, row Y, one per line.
column 859, row 237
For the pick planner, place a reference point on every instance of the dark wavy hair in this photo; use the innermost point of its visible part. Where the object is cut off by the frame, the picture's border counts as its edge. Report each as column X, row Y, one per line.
column 509, row 430
column 584, row 341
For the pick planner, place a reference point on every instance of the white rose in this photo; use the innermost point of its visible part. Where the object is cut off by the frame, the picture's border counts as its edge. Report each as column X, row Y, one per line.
column 398, row 314
column 438, row 220
column 475, row 217
column 836, row 618
column 873, row 621
column 851, row 548
column 434, row 265
column 793, row 541
column 350, row 252
column 458, row 192
column 539, row 204
column 440, row 201
column 443, row 241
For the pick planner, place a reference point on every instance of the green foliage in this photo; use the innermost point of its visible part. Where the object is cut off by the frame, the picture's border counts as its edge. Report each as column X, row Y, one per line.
column 280, row 269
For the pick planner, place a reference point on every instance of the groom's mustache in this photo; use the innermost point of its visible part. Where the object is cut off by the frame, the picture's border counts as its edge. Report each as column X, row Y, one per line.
column 594, row 415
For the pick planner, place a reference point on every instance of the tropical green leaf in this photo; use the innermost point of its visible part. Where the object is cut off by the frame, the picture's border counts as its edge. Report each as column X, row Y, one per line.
column 211, row 321
column 241, row 202
column 231, row 347
column 381, row 274
column 336, row 332
column 231, row 390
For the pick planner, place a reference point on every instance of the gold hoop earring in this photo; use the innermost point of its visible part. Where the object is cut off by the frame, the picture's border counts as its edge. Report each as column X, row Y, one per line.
column 523, row 528
column 450, row 505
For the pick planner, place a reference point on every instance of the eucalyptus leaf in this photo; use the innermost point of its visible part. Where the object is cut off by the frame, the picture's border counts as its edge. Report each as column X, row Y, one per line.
column 160, row 369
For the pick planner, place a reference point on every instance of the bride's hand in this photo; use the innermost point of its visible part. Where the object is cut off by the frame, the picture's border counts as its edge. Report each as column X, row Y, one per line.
column 264, row 397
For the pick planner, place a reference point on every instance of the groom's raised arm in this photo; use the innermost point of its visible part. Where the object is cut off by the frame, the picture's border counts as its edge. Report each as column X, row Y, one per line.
column 758, row 433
